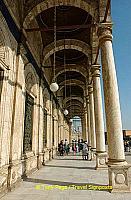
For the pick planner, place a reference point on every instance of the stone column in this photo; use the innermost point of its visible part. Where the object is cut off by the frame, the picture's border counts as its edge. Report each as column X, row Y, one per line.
column 101, row 155
column 89, row 130
column 92, row 122
column 70, row 132
column 117, row 166
column 83, row 128
column 85, row 125
column 40, row 154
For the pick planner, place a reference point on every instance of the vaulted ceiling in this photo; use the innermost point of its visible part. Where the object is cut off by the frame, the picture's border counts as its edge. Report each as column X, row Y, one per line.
column 71, row 23
column 75, row 23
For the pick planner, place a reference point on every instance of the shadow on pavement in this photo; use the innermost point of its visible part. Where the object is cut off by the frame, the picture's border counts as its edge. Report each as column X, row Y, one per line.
column 71, row 167
column 68, row 159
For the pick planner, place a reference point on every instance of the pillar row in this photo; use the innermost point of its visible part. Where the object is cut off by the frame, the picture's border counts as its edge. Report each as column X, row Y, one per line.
column 92, row 121
column 88, row 125
column 117, row 166
column 101, row 155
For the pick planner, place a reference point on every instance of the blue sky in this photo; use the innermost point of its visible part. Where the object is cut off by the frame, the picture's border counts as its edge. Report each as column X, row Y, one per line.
column 121, row 17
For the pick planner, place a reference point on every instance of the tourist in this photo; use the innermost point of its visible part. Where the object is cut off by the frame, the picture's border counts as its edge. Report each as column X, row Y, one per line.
column 61, row 148
column 85, row 151
column 66, row 147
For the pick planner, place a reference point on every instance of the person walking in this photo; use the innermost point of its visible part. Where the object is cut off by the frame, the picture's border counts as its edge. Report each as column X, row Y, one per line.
column 61, row 148
column 85, row 151
column 66, row 147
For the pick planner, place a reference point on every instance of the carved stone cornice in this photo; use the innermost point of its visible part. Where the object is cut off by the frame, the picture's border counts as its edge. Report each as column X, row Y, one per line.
column 95, row 70
column 87, row 99
column 105, row 33
column 90, row 89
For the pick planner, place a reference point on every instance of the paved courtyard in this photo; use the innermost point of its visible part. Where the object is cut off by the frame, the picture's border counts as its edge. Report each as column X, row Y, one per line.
column 66, row 171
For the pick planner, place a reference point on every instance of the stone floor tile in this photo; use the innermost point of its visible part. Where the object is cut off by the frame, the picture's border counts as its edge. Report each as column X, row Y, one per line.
column 66, row 171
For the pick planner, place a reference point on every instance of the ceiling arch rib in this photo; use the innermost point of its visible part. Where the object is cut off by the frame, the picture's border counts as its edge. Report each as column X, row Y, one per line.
column 73, row 98
column 72, row 106
column 44, row 5
column 74, row 89
column 72, row 82
column 74, row 101
column 75, row 106
column 72, row 67
column 70, row 76
column 67, row 44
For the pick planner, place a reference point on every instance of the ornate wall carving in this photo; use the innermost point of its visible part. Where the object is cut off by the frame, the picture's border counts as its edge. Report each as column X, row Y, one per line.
column 28, row 124
column 2, row 46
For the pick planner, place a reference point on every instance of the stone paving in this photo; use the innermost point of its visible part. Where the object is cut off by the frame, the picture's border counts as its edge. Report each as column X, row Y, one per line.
column 62, row 171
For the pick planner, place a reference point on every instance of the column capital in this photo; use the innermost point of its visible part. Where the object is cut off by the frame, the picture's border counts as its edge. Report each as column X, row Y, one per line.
column 90, row 89
column 87, row 99
column 105, row 32
column 95, row 69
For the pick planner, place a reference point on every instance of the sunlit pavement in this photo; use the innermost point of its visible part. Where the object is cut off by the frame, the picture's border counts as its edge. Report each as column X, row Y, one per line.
column 71, row 171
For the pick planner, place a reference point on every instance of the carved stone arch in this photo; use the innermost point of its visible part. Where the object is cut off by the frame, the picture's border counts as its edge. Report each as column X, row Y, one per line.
column 76, row 102
column 72, row 82
column 78, row 106
column 67, row 44
column 44, row 5
column 71, row 104
column 31, row 79
column 79, row 67
column 66, row 70
column 74, row 115
column 71, row 98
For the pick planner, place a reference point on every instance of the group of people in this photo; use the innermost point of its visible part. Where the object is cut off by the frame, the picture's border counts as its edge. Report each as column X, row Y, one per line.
column 64, row 148
column 127, row 146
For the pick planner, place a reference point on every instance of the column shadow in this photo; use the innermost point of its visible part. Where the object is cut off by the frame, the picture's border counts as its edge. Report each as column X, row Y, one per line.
column 70, row 167
column 69, row 159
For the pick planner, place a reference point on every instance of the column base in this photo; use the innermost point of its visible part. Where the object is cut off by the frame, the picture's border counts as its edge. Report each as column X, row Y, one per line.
column 40, row 160
column 93, row 153
column 50, row 154
column 101, row 160
column 89, row 153
column 119, row 177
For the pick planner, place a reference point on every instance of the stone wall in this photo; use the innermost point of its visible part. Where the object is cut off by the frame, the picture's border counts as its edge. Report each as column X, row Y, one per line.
column 20, row 78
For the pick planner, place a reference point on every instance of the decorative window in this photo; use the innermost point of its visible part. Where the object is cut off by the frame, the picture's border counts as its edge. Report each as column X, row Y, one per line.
column 28, row 124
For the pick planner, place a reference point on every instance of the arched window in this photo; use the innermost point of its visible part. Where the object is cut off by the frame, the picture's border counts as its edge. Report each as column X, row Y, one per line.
column 31, row 109
column 28, row 128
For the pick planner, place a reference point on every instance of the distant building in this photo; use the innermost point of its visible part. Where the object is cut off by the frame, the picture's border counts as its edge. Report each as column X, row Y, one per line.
column 126, row 135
